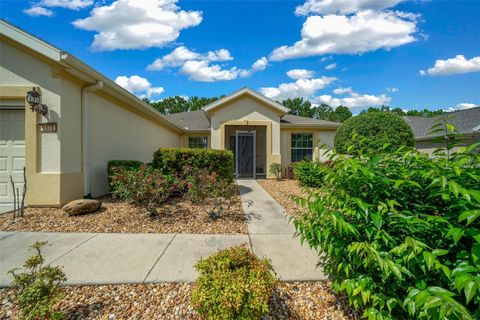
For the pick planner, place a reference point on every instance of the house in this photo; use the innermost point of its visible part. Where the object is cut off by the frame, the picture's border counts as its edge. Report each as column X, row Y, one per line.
column 466, row 122
column 63, row 121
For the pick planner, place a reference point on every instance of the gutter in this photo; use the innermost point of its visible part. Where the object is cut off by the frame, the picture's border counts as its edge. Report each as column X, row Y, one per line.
column 98, row 85
column 309, row 125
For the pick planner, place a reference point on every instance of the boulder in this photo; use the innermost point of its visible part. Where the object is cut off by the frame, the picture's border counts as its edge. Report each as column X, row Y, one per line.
column 81, row 206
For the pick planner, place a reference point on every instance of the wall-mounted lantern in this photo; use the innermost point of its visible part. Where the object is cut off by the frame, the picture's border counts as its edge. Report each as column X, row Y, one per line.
column 33, row 99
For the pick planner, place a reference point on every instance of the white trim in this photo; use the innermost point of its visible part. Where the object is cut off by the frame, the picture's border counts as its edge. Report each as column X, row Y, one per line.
column 253, row 134
column 251, row 92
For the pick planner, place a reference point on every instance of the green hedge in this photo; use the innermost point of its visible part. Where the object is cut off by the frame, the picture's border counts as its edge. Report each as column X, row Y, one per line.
column 309, row 173
column 173, row 160
column 114, row 166
column 371, row 131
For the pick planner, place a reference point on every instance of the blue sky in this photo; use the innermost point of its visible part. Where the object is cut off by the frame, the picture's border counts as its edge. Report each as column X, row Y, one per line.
column 409, row 54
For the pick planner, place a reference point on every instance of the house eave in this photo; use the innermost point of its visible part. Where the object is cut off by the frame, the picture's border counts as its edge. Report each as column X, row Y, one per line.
column 308, row 125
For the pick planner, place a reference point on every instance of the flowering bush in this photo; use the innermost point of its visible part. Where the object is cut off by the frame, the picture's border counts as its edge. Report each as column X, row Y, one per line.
column 145, row 186
column 400, row 232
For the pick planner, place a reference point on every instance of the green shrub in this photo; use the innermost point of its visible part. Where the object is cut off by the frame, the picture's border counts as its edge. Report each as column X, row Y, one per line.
column 173, row 160
column 233, row 284
column 145, row 186
column 276, row 170
column 371, row 132
column 309, row 173
column 400, row 232
column 39, row 288
column 214, row 194
column 114, row 166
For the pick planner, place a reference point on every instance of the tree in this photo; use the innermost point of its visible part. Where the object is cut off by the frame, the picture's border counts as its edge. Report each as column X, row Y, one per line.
column 323, row 112
column 342, row 114
column 299, row 107
column 402, row 112
column 178, row 104
column 371, row 131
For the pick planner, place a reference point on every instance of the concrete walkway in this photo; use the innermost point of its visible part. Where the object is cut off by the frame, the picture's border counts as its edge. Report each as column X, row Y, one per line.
column 113, row 258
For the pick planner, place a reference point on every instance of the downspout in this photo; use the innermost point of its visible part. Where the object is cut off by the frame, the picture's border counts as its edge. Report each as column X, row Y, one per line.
column 85, row 141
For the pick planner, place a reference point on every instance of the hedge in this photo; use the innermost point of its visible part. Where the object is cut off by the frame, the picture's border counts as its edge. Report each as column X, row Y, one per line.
column 114, row 166
column 371, row 131
column 309, row 173
column 173, row 160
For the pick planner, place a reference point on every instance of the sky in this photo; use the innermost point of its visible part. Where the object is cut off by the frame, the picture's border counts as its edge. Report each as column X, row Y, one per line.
column 358, row 53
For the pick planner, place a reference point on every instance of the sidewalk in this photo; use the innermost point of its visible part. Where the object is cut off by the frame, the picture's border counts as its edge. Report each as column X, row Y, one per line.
column 114, row 258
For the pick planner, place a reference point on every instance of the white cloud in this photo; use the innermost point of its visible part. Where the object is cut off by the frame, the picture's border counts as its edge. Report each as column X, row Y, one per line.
column 139, row 86
column 392, row 89
column 327, row 58
column 355, row 100
column 342, row 6
column 457, row 65
column 38, row 11
column 131, row 24
column 181, row 54
column 304, row 88
column 296, row 74
column 68, row 4
column 462, row 106
column 199, row 67
column 365, row 31
column 341, row 91
column 331, row 66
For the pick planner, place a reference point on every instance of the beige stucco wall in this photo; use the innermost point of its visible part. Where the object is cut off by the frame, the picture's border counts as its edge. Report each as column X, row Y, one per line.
column 54, row 160
column 428, row 146
column 320, row 137
column 248, row 111
column 115, row 132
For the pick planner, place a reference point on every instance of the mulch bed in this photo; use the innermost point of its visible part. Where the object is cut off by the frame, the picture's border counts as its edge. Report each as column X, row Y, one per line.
column 281, row 191
column 178, row 215
column 295, row 300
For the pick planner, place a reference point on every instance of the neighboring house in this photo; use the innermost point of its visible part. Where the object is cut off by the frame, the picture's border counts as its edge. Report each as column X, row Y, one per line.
column 92, row 120
column 466, row 122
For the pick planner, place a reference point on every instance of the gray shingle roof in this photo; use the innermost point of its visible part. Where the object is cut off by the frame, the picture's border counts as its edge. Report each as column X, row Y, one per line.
column 191, row 120
column 198, row 120
column 465, row 121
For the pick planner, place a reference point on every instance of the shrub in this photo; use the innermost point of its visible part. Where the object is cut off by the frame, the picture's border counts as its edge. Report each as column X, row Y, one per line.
column 400, row 232
column 276, row 170
column 146, row 186
column 371, row 131
column 39, row 288
column 215, row 194
column 233, row 284
column 309, row 173
column 115, row 166
column 173, row 160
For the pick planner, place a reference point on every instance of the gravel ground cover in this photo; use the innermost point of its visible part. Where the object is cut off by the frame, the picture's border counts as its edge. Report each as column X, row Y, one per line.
column 178, row 215
column 295, row 301
column 281, row 191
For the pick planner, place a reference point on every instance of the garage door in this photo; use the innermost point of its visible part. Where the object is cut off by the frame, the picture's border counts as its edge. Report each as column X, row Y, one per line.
column 12, row 154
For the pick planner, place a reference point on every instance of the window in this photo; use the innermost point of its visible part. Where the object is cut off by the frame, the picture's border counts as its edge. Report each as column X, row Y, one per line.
column 198, row 142
column 302, row 146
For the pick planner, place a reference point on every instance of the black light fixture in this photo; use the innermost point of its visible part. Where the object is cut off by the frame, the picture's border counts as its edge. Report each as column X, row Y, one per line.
column 33, row 99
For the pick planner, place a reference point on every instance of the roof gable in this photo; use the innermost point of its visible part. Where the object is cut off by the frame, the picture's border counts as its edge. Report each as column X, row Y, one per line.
column 246, row 92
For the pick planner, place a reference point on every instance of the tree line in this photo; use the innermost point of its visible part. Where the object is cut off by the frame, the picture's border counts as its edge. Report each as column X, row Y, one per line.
column 297, row 106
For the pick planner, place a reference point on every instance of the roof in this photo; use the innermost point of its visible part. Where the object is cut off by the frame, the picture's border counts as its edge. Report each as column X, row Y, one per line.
column 246, row 91
column 465, row 121
column 191, row 120
column 199, row 121
column 291, row 120
column 81, row 71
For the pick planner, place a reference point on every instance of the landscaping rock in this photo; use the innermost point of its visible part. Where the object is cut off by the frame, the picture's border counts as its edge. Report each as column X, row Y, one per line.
column 81, row 206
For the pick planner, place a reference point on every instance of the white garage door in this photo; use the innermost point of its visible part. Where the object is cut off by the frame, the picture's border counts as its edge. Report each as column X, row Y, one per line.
column 12, row 154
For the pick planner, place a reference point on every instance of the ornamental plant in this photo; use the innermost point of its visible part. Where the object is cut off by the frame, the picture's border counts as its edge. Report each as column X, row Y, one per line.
column 309, row 173
column 276, row 170
column 214, row 193
column 233, row 284
column 400, row 231
column 38, row 289
column 146, row 186
column 373, row 132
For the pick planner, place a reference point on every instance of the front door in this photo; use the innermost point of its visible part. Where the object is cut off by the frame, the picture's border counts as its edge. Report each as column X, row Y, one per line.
column 245, row 151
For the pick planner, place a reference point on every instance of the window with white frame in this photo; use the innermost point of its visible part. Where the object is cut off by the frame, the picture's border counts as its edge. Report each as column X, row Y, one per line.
column 198, row 142
column 302, row 146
